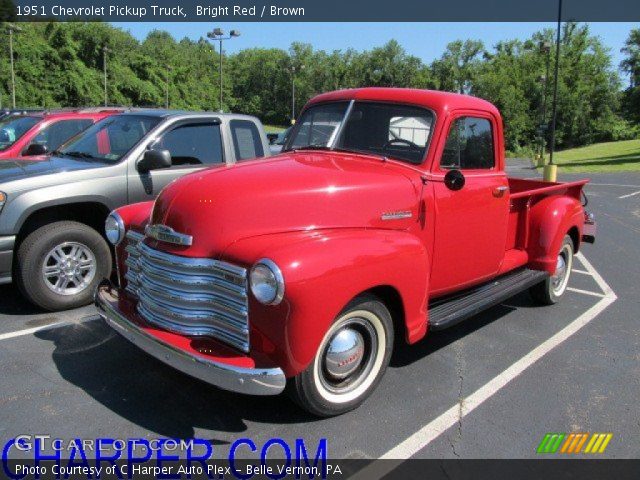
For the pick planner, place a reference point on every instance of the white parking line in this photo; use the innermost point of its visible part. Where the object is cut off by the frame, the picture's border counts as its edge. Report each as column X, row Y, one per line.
column 585, row 292
column 583, row 272
column 630, row 194
column 613, row 185
column 62, row 323
column 423, row 437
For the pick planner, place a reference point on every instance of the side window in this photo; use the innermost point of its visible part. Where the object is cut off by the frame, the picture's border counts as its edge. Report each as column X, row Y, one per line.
column 55, row 134
column 193, row 144
column 469, row 145
column 246, row 139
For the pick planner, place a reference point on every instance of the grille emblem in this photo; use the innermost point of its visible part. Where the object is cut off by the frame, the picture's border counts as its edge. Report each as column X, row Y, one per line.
column 167, row 234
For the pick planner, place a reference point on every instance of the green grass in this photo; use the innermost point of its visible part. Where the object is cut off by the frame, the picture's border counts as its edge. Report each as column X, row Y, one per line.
column 273, row 128
column 600, row 157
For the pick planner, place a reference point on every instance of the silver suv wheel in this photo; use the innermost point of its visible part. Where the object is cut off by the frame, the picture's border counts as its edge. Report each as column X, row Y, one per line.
column 69, row 268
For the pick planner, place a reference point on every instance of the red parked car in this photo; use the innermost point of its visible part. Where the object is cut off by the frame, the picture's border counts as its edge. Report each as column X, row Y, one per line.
column 388, row 214
column 38, row 133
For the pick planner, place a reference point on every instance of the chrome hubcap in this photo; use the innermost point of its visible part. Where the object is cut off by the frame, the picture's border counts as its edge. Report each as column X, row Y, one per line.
column 348, row 356
column 69, row 268
column 345, row 352
column 563, row 265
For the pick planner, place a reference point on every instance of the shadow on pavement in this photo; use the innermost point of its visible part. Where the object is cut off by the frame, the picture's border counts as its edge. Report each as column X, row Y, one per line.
column 404, row 354
column 148, row 393
column 13, row 303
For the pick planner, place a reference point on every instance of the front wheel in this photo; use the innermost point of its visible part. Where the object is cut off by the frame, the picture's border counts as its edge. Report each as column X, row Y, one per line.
column 60, row 265
column 350, row 361
column 550, row 290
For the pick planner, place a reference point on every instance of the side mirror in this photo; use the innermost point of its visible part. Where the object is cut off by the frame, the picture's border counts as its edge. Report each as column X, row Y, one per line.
column 454, row 180
column 35, row 149
column 273, row 137
column 154, row 160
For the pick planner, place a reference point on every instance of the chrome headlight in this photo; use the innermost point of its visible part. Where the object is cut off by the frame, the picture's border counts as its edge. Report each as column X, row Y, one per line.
column 3, row 199
column 267, row 283
column 114, row 228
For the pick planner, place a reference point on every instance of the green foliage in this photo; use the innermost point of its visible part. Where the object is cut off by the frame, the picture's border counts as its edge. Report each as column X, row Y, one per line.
column 61, row 64
column 631, row 65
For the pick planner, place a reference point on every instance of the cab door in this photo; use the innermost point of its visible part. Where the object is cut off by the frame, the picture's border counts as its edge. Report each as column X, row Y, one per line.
column 193, row 145
column 471, row 205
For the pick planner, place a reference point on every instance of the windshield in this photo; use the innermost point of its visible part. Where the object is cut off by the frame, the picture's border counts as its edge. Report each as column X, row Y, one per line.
column 396, row 131
column 109, row 139
column 13, row 128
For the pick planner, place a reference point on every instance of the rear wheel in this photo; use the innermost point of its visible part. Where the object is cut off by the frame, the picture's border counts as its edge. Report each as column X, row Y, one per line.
column 59, row 265
column 551, row 290
column 350, row 361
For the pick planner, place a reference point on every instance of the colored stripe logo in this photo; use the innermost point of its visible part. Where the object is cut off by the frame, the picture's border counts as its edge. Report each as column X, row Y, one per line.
column 574, row 443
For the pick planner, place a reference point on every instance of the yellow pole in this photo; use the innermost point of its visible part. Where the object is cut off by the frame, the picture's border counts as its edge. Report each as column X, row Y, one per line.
column 550, row 173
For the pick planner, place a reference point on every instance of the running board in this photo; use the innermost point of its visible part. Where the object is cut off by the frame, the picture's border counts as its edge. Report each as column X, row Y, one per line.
column 446, row 312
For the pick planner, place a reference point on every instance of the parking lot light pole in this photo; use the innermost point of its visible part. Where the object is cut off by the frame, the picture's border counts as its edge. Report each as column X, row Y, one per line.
column 166, row 86
column 105, row 50
column 551, row 171
column 11, row 29
column 545, row 48
column 217, row 34
column 293, row 92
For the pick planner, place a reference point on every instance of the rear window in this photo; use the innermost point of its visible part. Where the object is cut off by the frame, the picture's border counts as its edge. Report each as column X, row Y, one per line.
column 55, row 134
column 12, row 128
column 246, row 139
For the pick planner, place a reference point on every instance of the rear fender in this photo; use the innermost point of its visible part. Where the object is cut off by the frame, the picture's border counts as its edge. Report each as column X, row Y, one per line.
column 323, row 271
column 550, row 220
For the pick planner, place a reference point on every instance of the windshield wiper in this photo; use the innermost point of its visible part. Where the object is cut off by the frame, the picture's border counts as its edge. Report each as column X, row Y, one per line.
column 77, row 154
column 313, row 146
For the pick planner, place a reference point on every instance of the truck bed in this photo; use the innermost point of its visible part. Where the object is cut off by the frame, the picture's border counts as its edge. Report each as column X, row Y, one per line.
column 523, row 195
column 524, row 188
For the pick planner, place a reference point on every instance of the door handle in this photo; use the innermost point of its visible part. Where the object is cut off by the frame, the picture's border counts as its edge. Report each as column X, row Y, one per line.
column 499, row 191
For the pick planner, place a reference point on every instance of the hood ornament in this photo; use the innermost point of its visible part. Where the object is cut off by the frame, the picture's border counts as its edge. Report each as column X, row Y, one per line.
column 167, row 234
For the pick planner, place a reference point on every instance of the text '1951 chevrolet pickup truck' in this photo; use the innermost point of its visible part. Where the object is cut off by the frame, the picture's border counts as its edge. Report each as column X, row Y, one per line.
column 388, row 214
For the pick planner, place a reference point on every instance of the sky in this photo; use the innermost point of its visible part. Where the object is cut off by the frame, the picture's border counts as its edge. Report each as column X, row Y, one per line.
column 426, row 41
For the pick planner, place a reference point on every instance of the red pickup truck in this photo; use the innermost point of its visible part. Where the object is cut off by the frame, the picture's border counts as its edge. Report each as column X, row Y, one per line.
column 388, row 214
column 32, row 134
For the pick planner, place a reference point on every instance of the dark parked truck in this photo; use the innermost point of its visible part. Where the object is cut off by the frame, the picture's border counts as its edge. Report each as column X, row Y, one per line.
column 52, row 212
column 388, row 214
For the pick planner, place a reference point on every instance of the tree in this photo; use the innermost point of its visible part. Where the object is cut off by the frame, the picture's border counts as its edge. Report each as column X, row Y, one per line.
column 631, row 65
column 456, row 70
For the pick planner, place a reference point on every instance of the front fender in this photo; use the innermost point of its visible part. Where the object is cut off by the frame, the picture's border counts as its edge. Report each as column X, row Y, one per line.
column 21, row 205
column 550, row 220
column 323, row 271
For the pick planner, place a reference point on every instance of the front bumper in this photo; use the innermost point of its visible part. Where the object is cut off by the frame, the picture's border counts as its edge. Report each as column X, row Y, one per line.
column 6, row 258
column 209, row 368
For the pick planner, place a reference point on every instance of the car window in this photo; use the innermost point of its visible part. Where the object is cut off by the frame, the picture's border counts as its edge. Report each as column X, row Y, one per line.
column 111, row 138
column 55, row 134
column 193, row 144
column 396, row 131
column 12, row 128
column 469, row 145
column 246, row 139
column 318, row 124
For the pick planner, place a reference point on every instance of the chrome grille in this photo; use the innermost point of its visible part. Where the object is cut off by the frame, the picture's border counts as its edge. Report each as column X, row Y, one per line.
column 132, row 261
column 190, row 296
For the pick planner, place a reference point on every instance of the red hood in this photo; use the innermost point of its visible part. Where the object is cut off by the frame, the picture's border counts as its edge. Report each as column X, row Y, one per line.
column 290, row 192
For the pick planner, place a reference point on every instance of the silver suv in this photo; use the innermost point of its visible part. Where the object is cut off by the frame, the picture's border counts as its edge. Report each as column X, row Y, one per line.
column 52, row 211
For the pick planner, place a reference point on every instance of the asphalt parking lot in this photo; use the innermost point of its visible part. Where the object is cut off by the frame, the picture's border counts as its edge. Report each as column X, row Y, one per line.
column 488, row 388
